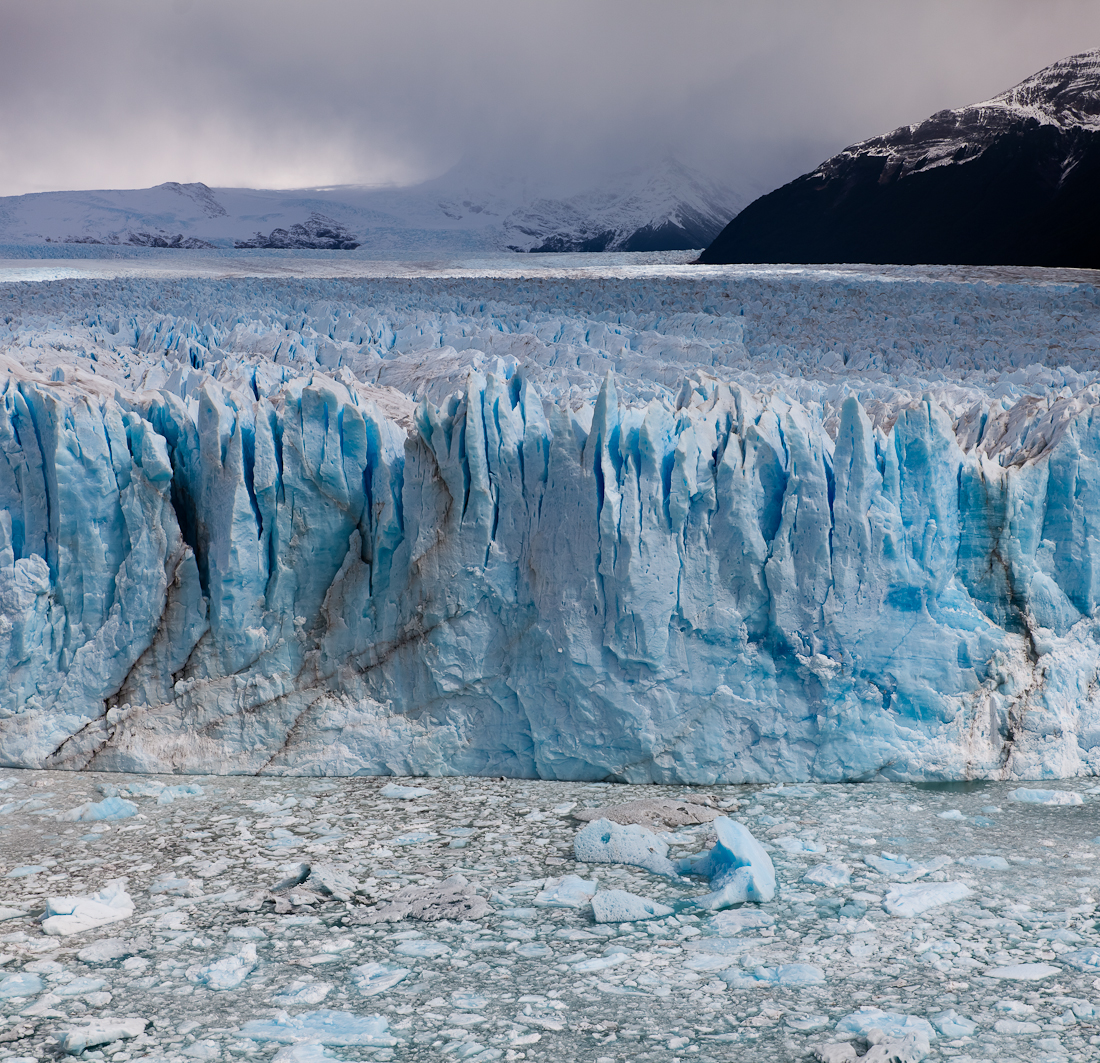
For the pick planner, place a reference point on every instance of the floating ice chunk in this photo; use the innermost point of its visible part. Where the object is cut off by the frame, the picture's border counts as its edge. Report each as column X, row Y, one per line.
column 618, row 906
column 733, row 922
column 20, row 985
column 650, row 812
column 738, row 867
column 1045, row 797
column 1083, row 959
column 464, row 1000
column 11, row 913
column 835, row 1052
column 829, row 875
column 176, row 887
column 79, row 986
column 951, row 813
column 374, row 978
column 605, row 842
column 333, row 881
column 1016, row 1026
column 911, row 900
column 952, row 1024
column 305, row 1052
column 142, row 788
column 992, row 863
column 403, row 793
column 786, row 974
column 226, row 973
column 807, row 1023
column 299, row 992
column 107, row 950
column 416, row 837
column 322, row 1027
column 570, row 891
column 25, row 871
column 533, row 950
column 173, row 793
column 892, row 1024
column 799, row 845
column 1023, row 972
column 424, row 949
column 453, row 898
column 100, row 1031
column 92, row 811
column 296, row 875
column 73, row 915
column 900, row 869
column 599, row 963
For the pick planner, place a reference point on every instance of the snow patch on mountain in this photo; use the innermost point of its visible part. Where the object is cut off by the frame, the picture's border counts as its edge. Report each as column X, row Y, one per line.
column 666, row 208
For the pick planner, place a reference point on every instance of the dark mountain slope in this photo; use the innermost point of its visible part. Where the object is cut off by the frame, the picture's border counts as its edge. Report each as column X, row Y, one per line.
column 1013, row 181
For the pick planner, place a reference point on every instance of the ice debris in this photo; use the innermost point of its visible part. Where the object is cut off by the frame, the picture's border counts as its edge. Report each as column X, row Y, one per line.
column 618, row 906
column 1022, row 972
column 1083, row 959
column 569, row 891
column 453, row 898
column 323, row 1027
column 20, row 985
column 374, row 978
column 91, row 811
column 299, row 992
column 650, row 812
column 74, row 915
column 1027, row 796
column 951, row 1024
column 737, row 866
column 403, row 793
column 901, row 869
column 226, row 973
column 892, row 1024
column 606, row 842
column 100, row 1031
column 829, row 875
column 785, row 974
column 910, row 900
column 174, row 793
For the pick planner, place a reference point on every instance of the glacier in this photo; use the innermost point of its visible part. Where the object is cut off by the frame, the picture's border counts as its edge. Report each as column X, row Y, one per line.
column 657, row 524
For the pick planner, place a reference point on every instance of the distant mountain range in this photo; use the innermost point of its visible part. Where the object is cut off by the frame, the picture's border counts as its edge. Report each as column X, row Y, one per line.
column 1011, row 181
column 670, row 207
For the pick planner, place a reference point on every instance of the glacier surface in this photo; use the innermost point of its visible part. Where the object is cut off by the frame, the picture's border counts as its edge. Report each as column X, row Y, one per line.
column 659, row 523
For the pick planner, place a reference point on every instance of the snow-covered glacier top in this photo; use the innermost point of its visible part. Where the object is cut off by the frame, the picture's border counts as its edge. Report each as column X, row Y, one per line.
column 650, row 522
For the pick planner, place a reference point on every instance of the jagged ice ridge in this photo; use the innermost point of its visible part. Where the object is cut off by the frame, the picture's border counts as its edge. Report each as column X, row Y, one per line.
column 725, row 527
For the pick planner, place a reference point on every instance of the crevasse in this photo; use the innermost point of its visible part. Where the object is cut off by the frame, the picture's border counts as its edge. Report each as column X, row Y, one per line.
column 711, row 589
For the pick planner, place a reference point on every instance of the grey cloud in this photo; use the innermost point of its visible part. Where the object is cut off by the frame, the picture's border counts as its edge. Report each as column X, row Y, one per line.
column 117, row 93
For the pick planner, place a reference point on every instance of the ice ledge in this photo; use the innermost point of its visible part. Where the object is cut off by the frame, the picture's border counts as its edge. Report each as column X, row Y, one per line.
column 716, row 590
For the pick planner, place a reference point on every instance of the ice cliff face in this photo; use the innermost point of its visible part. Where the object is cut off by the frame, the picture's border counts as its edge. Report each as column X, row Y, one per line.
column 731, row 583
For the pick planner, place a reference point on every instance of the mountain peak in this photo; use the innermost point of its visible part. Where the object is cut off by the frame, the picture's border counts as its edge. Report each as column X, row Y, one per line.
column 1009, row 181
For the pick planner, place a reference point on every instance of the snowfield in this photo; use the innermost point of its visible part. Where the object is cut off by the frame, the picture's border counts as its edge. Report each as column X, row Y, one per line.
column 644, row 521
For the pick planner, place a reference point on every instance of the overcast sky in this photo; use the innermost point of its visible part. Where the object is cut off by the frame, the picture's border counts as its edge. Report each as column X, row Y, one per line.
column 295, row 93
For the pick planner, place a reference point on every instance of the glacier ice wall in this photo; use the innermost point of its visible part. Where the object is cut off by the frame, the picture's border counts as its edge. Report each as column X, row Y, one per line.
column 722, row 584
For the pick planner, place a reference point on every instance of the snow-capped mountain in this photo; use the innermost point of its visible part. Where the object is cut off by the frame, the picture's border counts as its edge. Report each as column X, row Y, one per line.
column 1009, row 181
column 669, row 207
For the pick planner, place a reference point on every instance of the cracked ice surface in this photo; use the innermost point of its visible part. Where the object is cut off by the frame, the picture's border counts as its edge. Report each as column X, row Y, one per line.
column 649, row 522
column 250, row 957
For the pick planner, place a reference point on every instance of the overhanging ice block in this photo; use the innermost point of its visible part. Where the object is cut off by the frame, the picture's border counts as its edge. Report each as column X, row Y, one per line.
column 738, row 867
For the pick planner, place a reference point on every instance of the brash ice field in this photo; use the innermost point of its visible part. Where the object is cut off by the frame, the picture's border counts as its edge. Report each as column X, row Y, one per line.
column 647, row 523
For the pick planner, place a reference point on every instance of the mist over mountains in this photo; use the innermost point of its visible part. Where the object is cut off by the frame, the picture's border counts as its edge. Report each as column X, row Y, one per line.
column 668, row 207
